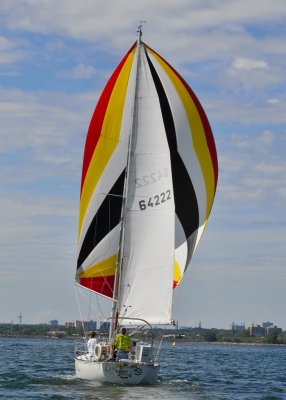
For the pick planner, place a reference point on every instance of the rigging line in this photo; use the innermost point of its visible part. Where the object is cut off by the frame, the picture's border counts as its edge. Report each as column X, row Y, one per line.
column 137, row 329
column 90, row 290
column 106, row 282
column 111, row 194
column 89, row 305
column 99, row 308
column 159, row 348
column 109, row 214
column 95, row 229
column 94, row 309
column 86, row 298
column 80, row 314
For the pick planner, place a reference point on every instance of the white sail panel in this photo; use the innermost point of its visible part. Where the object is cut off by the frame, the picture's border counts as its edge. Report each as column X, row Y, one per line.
column 148, row 253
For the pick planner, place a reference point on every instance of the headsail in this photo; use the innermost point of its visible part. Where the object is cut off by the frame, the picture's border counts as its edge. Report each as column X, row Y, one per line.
column 148, row 252
column 171, row 184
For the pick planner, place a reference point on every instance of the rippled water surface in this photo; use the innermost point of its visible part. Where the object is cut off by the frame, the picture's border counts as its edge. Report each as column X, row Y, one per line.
column 44, row 369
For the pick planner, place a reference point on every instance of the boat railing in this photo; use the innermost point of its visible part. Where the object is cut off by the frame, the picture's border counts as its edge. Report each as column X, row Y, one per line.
column 80, row 347
column 142, row 351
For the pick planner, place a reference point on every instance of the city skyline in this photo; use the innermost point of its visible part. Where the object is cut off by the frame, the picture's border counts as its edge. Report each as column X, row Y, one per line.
column 55, row 58
column 54, row 322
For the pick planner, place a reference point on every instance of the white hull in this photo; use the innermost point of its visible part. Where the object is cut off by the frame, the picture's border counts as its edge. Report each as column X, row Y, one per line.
column 131, row 373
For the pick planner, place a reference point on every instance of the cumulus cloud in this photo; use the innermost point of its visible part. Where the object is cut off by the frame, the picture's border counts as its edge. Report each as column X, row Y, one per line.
column 11, row 51
column 39, row 119
column 273, row 101
column 248, row 65
column 246, row 110
column 252, row 169
column 192, row 27
column 81, row 71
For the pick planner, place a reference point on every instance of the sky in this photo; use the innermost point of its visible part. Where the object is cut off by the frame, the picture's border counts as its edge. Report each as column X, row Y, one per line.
column 55, row 58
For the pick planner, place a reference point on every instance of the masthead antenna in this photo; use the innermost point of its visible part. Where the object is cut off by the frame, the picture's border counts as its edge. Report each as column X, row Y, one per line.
column 139, row 30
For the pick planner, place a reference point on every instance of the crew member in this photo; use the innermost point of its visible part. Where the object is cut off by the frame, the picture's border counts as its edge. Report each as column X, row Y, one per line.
column 123, row 344
column 92, row 342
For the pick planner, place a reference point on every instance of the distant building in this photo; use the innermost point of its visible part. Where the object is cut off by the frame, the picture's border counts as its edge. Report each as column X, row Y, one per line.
column 267, row 324
column 70, row 324
column 257, row 330
column 86, row 325
column 104, row 327
column 273, row 329
column 266, row 328
column 92, row 325
column 237, row 328
column 54, row 322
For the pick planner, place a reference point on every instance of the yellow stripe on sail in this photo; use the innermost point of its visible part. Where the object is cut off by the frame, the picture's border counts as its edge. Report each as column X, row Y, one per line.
column 177, row 272
column 108, row 140
column 103, row 268
column 197, row 132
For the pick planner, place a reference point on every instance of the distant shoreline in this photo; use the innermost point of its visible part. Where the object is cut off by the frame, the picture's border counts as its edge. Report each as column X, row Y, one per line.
column 166, row 340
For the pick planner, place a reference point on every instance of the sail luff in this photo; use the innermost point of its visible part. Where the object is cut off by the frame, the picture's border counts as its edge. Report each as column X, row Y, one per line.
column 117, row 283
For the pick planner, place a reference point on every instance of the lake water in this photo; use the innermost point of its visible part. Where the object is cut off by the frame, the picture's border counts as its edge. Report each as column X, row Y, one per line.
column 44, row 369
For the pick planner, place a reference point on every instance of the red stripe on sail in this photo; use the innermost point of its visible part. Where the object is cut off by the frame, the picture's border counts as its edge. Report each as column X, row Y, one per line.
column 96, row 122
column 102, row 284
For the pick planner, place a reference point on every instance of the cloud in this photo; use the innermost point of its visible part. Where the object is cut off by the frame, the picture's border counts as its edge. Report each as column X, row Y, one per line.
column 245, row 110
column 88, row 16
column 273, row 101
column 81, row 71
column 11, row 51
column 252, row 170
column 282, row 192
column 248, row 65
column 37, row 119
column 267, row 137
column 193, row 28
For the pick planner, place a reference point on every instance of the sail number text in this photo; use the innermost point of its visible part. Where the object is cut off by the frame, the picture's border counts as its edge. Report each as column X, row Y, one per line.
column 155, row 200
column 151, row 178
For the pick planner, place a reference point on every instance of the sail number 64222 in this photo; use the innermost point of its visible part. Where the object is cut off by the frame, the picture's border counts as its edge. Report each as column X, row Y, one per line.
column 155, row 200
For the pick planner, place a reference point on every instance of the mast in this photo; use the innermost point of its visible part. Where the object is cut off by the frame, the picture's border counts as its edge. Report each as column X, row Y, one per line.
column 119, row 261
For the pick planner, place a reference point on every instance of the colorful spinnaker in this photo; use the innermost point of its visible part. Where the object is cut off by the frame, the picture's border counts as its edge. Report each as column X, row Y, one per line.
column 149, row 178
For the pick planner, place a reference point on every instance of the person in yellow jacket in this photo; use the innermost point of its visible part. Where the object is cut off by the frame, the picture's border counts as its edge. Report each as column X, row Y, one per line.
column 123, row 344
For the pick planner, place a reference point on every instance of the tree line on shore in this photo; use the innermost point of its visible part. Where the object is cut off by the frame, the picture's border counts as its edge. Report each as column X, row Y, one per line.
column 184, row 335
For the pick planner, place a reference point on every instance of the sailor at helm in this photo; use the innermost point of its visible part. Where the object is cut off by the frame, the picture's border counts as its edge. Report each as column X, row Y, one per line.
column 123, row 344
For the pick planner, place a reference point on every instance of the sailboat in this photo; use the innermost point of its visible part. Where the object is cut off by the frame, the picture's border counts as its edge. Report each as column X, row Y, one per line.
column 149, row 177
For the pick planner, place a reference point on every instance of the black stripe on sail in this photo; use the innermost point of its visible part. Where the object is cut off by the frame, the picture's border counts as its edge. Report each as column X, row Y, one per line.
column 106, row 218
column 186, row 204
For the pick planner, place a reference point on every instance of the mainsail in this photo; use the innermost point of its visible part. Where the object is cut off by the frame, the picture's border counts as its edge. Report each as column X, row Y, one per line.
column 149, row 138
